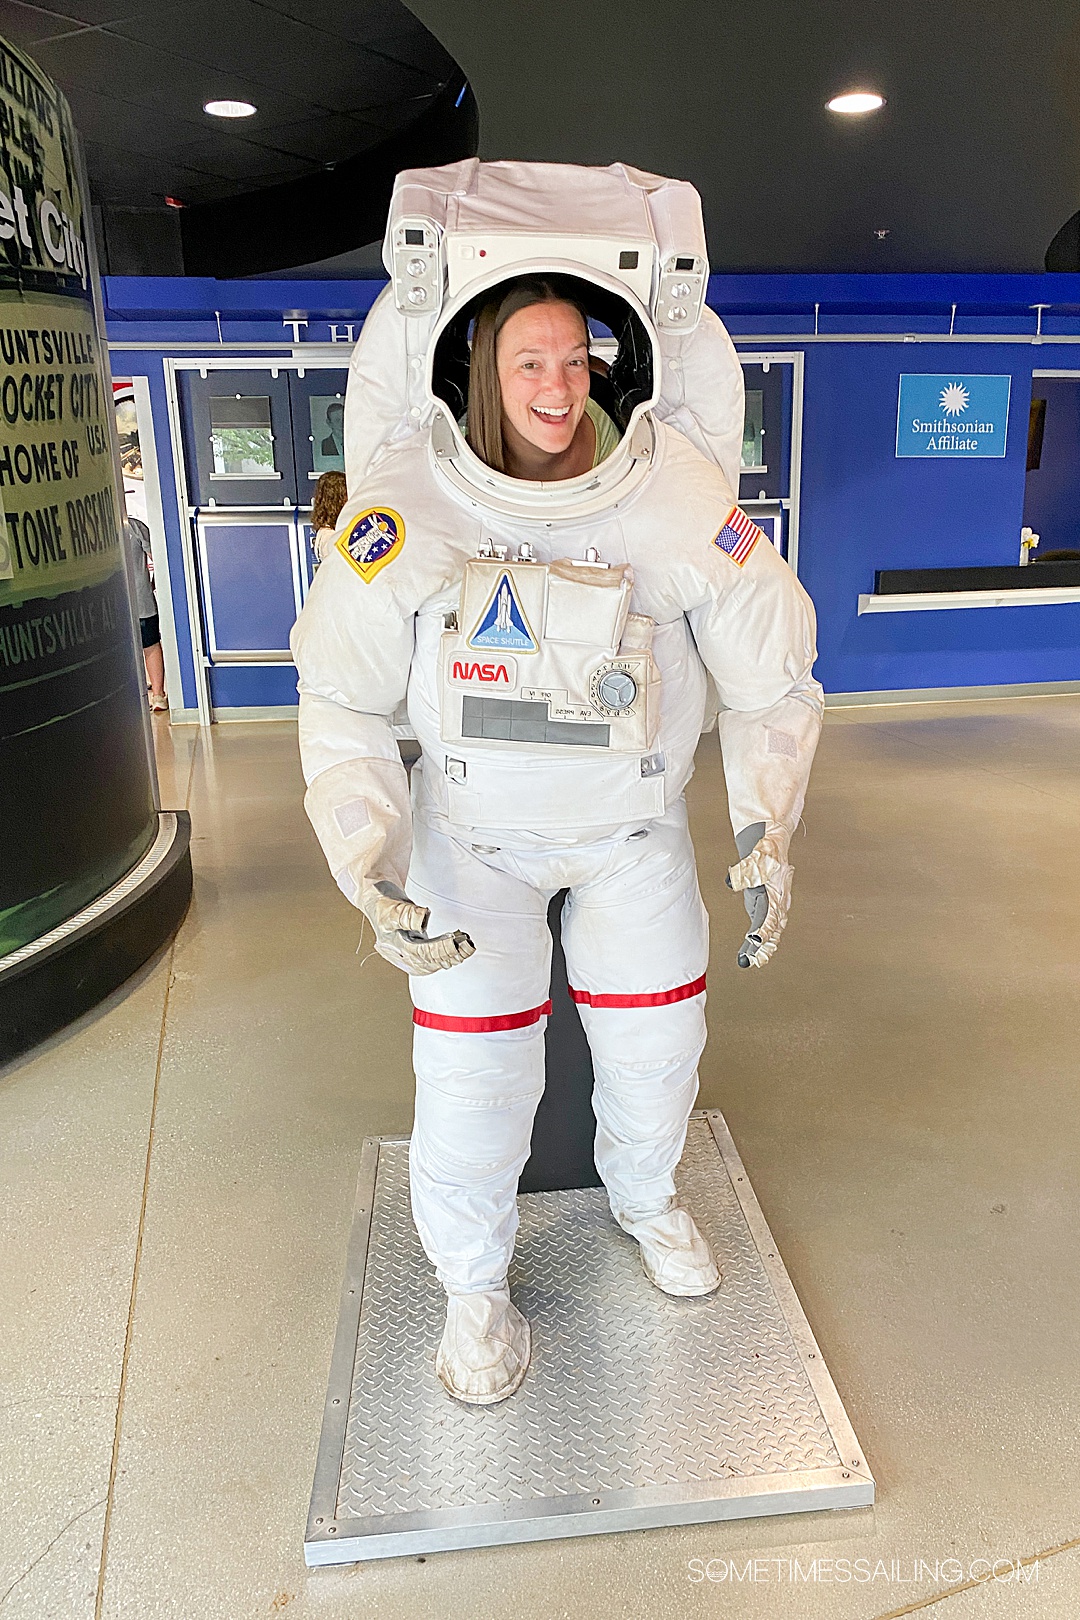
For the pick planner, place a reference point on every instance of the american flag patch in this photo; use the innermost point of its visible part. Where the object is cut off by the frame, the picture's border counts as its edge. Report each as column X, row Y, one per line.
column 738, row 537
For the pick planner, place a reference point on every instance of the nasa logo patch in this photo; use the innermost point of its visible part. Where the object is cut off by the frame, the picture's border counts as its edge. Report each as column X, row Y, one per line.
column 498, row 671
column 372, row 540
column 503, row 626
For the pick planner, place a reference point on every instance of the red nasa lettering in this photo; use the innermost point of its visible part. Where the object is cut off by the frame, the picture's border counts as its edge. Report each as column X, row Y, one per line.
column 480, row 672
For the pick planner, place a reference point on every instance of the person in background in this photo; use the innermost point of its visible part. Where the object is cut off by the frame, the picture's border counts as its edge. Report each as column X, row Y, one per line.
column 138, row 537
column 330, row 497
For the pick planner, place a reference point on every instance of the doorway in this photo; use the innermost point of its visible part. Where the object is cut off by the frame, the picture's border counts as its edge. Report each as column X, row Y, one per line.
column 1052, row 483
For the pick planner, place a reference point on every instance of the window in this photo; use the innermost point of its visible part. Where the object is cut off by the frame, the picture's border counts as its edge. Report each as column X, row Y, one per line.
column 753, row 442
column 241, row 437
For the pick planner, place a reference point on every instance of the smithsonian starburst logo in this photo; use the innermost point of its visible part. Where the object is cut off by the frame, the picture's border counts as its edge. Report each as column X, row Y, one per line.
column 952, row 416
column 954, row 399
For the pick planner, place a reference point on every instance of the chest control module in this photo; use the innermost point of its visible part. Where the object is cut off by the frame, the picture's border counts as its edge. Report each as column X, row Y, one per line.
column 549, row 653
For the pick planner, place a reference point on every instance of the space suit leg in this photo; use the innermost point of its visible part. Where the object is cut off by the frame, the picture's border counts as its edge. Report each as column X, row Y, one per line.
column 478, row 1053
column 636, row 940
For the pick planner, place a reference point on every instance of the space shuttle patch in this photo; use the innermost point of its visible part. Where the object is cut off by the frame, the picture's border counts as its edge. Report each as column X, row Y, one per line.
column 738, row 537
column 503, row 626
column 372, row 540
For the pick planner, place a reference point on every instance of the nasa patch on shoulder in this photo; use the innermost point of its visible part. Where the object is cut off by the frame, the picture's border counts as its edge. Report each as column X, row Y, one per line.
column 738, row 537
column 372, row 540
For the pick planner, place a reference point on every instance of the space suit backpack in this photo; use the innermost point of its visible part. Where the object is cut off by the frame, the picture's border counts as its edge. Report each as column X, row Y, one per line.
column 545, row 653
column 637, row 240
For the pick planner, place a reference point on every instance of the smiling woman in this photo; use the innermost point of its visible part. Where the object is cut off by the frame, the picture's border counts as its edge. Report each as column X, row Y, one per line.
column 530, row 414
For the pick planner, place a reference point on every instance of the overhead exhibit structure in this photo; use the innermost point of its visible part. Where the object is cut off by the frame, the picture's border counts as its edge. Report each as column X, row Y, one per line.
column 639, row 1409
column 93, row 876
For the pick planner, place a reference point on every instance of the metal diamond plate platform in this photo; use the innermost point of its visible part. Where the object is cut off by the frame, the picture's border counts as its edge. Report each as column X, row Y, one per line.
column 638, row 1409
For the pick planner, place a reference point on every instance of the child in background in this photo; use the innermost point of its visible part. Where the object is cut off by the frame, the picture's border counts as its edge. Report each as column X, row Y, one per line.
column 330, row 496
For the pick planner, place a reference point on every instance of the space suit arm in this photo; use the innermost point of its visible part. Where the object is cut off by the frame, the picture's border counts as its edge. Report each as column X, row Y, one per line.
column 353, row 656
column 757, row 638
column 357, row 796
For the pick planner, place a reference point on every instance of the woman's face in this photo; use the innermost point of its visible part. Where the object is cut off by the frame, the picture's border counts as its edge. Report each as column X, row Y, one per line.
column 542, row 357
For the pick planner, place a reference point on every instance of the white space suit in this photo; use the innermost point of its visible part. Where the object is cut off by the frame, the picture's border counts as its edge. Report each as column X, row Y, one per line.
column 554, row 646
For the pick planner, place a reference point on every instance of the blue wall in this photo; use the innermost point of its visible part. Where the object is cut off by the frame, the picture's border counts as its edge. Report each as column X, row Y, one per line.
column 138, row 363
column 865, row 509
column 179, row 318
column 862, row 508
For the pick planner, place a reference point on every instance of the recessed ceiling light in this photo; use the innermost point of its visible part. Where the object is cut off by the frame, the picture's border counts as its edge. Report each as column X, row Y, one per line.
column 856, row 101
column 229, row 109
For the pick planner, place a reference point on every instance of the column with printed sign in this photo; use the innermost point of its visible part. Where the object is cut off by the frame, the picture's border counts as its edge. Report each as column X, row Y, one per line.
column 76, row 802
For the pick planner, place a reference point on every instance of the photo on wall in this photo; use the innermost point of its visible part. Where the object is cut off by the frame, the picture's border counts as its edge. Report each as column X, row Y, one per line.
column 327, row 433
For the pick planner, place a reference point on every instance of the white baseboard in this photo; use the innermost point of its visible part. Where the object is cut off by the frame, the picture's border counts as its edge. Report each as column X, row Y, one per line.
column 267, row 711
column 950, row 694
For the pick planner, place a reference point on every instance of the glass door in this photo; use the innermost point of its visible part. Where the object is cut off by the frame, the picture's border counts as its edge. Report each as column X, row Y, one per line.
column 250, row 584
column 317, row 402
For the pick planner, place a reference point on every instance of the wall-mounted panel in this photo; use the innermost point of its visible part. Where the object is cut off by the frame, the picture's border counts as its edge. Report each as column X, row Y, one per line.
column 250, row 586
column 238, row 442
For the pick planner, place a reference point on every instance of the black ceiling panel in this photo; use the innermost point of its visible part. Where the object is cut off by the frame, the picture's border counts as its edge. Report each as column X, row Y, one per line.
column 263, row 50
column 119, row 124
column 381, row 25
column 88, row 13
column 241, row 162
column 23, row 23
column 332, row 81
column 328, row 212
column 152, row 79
column 322, row 139
column 115, row 182
column 972, row 165
column 411, row 51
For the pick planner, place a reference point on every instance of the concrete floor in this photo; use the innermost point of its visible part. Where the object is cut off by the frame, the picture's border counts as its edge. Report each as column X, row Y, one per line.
column 177, row 1176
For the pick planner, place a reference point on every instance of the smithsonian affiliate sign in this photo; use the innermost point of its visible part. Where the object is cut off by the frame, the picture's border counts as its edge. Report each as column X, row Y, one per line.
column 952, row 415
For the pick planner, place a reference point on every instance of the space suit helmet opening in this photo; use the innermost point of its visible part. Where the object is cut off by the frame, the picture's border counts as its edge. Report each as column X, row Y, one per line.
column 617, row 388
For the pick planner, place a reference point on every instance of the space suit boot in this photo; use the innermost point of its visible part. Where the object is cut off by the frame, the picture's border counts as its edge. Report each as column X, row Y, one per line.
column 674, row 1254
column 484, row 1354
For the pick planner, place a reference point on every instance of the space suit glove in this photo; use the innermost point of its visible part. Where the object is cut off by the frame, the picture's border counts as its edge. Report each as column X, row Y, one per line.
column 764, row 878
column 401, row 932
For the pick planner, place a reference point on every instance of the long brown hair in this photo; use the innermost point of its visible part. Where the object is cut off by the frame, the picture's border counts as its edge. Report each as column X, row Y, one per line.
column 330, row 496
column 485, row 396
